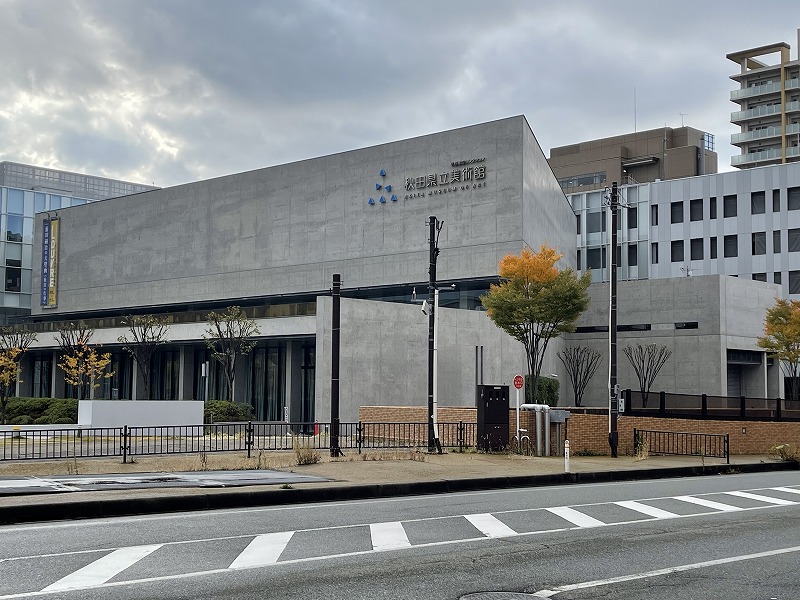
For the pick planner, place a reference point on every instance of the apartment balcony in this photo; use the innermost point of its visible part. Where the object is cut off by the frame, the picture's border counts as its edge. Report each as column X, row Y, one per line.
column 792, row 151
column 768, row 156
column 792, row 84
column 793, row 106
column 756, row 90
column 757, row 134
column 755, row 113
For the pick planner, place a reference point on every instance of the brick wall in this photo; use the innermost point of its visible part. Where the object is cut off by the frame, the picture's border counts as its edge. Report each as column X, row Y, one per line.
column 589, row 432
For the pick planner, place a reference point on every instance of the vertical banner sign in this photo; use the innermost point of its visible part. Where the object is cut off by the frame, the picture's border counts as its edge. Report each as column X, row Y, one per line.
column 52, row 267
column 45, row 261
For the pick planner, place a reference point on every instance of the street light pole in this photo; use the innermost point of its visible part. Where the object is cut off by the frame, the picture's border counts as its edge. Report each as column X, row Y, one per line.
column 613, row 388
column 435, row 226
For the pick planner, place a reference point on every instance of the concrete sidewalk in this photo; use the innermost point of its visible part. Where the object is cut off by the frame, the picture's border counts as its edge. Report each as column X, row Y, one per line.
column 356, row 477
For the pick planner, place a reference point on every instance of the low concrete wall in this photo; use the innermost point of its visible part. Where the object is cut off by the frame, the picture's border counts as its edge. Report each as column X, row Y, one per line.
column 139, row 413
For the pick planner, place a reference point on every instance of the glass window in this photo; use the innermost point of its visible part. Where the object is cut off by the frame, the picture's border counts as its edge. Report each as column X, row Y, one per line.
column 596, row 258
column 676, row 251
column 633, row 255
column 729, row 208
column 696, row 210
column 55, row 202
column 579, row 261
column 654, row 215
column 14, row 228
column 776, row 277
column 793, row 196
column 776, row 201
column 760, row 277
column 759, row 241
column 654, row 253
column 696, row 249
column 730, row 245
column 713, row 248
column 794, row 282
column 794, row 240
column 633, row 217
column 712, row 208
column 78, row 201
column 595, row 223
column 676, row 212
column 40, row 202
column 16, row 201
column 757, row 203
column 578, row 220
column 13, row 279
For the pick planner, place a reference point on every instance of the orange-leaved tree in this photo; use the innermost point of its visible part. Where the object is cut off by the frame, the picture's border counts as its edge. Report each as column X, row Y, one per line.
column 83, row 367
column 535, row 301
column 781, row 340
column 9, row 370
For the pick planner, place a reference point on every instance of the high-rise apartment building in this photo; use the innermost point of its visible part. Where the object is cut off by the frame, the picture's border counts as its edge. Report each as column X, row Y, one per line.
column 769, row 101
column 640, row 157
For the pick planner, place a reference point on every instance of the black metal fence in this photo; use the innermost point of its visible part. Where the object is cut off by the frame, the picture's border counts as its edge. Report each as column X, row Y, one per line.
column 127, row 442
column 703, row 406
column 682, row 443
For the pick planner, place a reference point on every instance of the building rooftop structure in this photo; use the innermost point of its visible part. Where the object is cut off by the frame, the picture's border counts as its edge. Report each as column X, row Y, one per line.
column 640, row 157
column 769, row 106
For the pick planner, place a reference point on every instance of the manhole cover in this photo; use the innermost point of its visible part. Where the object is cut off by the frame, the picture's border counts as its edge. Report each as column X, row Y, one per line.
column 498, row 596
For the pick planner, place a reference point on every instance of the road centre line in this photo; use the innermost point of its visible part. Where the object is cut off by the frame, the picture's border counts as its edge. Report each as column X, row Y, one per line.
column 418, row 498
column 661, row 572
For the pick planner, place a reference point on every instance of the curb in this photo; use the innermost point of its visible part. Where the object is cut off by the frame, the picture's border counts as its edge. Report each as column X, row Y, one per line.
column 233, row 498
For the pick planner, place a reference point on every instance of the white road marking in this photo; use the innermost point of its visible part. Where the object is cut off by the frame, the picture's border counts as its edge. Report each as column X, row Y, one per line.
column 786, row 489
column 645, row 509
column 660, row 572
column 388, row 536
column 490, row 526
column 760, row 498
column 708, row 503
column 575, row 517
column 263, row 550
column 103, row 569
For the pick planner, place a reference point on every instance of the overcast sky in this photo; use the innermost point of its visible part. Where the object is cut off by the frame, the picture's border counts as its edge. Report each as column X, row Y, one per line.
column 172, row 91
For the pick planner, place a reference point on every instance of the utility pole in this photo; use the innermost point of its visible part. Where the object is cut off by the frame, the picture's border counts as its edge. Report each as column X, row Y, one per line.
column 335, row 346
column 434, row 445
column 613, row 402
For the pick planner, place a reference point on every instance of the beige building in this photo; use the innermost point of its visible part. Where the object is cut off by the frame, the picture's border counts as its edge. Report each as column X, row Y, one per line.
column 640, row 157
column 769, row 101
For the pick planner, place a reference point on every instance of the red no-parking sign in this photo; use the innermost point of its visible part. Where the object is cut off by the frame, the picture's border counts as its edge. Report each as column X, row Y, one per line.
column 518, row 381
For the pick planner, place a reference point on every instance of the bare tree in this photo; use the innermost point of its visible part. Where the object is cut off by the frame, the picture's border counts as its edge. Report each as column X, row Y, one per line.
column 229, row 336
column 147, row 333
column 581, row 363
column 647, row 362
column 74, row 340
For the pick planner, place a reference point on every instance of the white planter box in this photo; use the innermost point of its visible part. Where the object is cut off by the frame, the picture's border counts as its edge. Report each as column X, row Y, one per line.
column 139, row 413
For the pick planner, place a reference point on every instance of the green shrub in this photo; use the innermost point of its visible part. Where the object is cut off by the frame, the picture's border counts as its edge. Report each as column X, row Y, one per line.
column 221, row 410
column 42, row 411
column 31, row 407
column 547, row 392
column 21, row 420
column 61, row 411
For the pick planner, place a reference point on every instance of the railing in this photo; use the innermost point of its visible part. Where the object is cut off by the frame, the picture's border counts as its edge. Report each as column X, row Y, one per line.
column 127, row 442
column 682, row 443
column 738, row 408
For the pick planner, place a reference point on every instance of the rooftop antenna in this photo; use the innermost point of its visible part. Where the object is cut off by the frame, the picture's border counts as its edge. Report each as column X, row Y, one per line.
column 634, row 109
column 683, row 115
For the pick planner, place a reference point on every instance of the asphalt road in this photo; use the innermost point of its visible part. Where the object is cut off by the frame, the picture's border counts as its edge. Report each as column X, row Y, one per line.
column 735, row 535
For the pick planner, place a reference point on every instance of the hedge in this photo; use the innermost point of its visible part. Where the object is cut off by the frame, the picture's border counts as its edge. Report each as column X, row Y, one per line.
column 546, row 393
column 41, row 411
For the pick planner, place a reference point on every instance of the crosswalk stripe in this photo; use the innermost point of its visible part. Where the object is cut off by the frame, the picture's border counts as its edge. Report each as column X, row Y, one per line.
column 760, row 498
column 645, row 509
column 103, row 569
column 707, row 503
column 575, row 517
column 388, row 536
column 263, row 550
column 490, row 526
column 785, row 489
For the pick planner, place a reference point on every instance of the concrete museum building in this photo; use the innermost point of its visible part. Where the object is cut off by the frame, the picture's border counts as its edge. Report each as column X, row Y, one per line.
column 270, row 241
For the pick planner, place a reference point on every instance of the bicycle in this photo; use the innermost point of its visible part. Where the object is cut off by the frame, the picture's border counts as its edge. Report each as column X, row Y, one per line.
column 521, row 445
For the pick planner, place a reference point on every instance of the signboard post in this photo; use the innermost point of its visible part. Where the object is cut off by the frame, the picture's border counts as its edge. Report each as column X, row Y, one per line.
column 518, row 383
